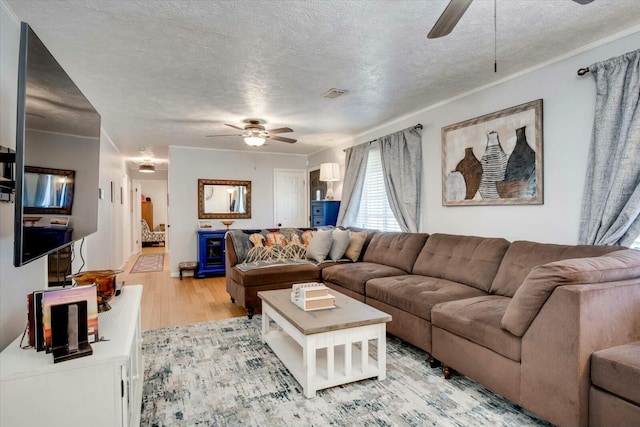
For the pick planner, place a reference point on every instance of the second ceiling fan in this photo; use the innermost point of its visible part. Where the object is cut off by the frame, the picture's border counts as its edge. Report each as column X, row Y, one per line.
column 452, row 14
column 255, row 134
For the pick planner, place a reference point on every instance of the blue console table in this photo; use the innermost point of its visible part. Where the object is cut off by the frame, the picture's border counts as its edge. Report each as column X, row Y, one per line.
column 324, row 212
column 211, row 252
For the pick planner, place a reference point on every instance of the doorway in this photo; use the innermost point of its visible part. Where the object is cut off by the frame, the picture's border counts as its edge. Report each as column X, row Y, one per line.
column 290, row 198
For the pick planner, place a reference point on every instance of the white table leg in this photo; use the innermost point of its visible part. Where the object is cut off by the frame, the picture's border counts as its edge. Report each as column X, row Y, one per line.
column 382, row 353
column 265, row 322
column 309, row 356
column 364, row 355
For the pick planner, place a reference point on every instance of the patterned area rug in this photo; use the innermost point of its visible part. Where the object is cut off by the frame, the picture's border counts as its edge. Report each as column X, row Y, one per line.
column 221, row 374
column 148, row 263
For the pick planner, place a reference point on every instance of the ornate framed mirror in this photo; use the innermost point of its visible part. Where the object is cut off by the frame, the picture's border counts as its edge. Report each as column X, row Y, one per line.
column 222, row 198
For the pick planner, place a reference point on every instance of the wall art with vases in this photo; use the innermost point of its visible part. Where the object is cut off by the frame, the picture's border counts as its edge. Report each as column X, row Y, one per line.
column 495, row 159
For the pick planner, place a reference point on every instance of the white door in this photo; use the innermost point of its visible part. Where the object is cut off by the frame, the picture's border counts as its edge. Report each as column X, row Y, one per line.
column 290, row 198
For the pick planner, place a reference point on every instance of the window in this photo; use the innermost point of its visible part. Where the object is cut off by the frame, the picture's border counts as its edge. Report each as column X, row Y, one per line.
column 375, row 212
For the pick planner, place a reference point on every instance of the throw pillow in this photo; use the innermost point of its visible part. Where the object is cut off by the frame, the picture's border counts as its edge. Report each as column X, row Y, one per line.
column 307, row 236
column 356, row 243
column 320, row 245
column 341, row 240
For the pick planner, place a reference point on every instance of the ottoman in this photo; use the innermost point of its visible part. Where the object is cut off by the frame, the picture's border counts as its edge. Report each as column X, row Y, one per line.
column 188, row 266
column 614, row 397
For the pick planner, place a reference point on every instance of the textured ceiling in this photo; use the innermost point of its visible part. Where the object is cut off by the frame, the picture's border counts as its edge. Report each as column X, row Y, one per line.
column 170, row 72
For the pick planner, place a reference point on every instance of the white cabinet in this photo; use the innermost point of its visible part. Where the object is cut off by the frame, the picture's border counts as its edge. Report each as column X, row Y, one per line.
column 104, row 389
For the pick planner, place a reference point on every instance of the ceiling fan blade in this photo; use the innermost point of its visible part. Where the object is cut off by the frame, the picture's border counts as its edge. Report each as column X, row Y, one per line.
column 233, row 126
column 449, row 18
column 235, row 134
column 281, row 138
column 280, row 130
column 583, row 2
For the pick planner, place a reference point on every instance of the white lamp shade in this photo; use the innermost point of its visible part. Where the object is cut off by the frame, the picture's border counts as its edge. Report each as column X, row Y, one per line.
column 329, row 172
column 254, row 141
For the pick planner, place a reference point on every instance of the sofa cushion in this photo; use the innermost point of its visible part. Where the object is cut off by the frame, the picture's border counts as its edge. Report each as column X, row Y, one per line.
column 617, row 370
column 522, row 256
column 354, row 276
column 276, row 273
column 398, row 250
column 542, row 280
column 340, row 242
column 417, row 294
column 320, row 245
column 356, row 243
column 470, row 260
column 478, row 320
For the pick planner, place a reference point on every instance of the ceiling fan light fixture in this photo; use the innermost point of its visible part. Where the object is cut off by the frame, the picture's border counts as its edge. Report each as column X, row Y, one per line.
column 147, row 168
column 254, row 141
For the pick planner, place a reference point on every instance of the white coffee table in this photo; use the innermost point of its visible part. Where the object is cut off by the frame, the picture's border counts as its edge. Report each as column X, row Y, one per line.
column 325, row 348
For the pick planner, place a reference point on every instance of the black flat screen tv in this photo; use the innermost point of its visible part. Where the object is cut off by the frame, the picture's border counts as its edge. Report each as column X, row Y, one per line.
column 57, row 156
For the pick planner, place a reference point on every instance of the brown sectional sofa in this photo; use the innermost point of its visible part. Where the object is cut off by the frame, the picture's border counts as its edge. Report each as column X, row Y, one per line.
column 522, row 318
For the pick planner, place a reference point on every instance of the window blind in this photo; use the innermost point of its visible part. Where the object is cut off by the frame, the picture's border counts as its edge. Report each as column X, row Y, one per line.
column 375, row 212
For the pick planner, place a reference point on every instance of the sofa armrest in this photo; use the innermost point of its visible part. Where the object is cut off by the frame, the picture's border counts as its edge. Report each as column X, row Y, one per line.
column 556, row 349
column 230, row 252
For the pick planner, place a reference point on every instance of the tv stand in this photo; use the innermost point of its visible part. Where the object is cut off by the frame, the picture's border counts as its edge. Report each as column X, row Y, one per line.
column 104, row 389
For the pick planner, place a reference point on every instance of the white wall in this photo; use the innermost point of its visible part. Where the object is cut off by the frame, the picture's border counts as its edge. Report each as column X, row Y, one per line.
column 109, row 247
column 187, row 165
column 568, row 119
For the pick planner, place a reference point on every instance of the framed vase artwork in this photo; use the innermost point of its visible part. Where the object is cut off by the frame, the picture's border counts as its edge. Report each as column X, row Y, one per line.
column 495, row 159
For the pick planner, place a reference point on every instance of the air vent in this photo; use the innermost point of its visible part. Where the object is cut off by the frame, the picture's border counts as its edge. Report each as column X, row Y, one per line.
column 334, row 93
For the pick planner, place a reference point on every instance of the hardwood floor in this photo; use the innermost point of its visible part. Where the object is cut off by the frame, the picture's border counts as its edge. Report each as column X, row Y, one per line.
column 168, row 301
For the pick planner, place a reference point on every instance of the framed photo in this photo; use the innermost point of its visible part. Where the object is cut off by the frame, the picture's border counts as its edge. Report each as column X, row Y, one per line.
column 495, row 159
column 59, row 221
column 205, row 223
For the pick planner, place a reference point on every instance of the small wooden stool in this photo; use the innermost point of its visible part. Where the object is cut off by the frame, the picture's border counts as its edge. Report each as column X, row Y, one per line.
column 188, row 266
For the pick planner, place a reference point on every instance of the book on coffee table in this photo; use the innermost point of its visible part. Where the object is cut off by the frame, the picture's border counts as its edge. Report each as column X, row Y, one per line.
column 318, row 303
column 312, row 296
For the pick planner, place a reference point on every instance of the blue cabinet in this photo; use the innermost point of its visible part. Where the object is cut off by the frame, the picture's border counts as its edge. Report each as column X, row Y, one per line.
column 324, row 212
column 211, row 252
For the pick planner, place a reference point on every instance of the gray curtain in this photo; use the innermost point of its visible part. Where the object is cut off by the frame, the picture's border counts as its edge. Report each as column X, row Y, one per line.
column 355, row 167
column 611, row 201
column 401, row 155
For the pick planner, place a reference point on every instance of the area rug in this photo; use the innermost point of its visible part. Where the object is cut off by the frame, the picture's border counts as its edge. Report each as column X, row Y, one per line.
column 221, row 374
column 148, row 263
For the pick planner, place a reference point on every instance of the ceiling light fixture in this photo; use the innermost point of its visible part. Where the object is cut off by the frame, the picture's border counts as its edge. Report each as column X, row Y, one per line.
column 254, row 141
column 147, row 168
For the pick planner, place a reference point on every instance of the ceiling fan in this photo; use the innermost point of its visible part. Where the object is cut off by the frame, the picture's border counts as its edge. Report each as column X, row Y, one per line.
column 255, row 134
column 452, row 14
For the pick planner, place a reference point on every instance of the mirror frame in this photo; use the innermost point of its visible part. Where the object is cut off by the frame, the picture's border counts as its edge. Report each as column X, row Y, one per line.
column 66, row 210
column 222, row 215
